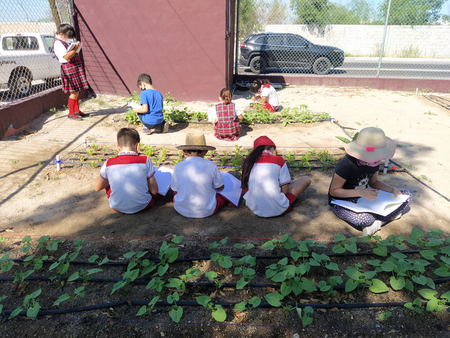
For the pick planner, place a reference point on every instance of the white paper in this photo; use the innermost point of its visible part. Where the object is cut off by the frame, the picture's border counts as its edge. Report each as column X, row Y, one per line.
column 163, row 177
column 134, row 105
column 383, row 205
column 232, row 189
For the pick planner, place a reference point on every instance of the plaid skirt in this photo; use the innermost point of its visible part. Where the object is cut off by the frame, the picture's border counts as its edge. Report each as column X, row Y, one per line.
column 227, row 131
column 73, row 78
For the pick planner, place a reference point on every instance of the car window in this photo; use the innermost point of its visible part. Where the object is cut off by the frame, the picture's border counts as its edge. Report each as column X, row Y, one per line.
column 293, row 40
column 275, row 40
column 20, row 43
column 49, row 42
column 260, row 40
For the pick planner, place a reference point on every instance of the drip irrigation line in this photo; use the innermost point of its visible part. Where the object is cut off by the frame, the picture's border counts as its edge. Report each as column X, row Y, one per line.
column 6, row 313
column 405, row 170
column 438, row 100
column 207, row 258
column 339, row 287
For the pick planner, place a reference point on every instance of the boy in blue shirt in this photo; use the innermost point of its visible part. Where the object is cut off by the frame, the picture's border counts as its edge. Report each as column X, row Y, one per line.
column 151, row 111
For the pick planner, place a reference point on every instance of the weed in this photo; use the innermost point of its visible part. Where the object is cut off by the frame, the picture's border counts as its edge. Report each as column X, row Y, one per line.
column 410, row 52
column 429, row 113
column 13, row 161
column 425, row 178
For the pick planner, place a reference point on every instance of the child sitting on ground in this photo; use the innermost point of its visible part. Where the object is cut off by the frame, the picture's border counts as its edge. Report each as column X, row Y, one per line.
column 266, row 181
column 225, row 117
column 151, row 111
column 265, row 94
column 129, row 179
column 195, row 181
column 356, row 175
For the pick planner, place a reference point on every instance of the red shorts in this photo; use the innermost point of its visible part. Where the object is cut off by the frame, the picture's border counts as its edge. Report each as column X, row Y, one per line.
column 269, row 107
column 220, row 201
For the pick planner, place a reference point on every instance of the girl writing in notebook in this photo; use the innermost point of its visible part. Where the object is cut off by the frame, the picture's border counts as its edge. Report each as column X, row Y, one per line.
column 265, row 94
column 356, row 175
column 266, row 181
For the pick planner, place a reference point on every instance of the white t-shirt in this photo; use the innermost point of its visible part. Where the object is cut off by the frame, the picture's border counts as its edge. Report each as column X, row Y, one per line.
column 128, row 174
column 59, row 49
column 271, row 94
column 264, row 196
column 212, row 114
column 195, row 180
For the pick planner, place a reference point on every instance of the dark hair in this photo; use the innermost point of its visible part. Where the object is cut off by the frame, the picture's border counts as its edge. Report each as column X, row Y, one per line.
column 249, row 162
column 128, row 137
column 198, row 152
column 226, row 95
column 66, row 29
column 257, row 84
column 144, row 78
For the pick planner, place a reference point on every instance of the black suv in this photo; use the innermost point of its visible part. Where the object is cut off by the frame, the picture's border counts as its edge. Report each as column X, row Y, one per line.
column 263, row 50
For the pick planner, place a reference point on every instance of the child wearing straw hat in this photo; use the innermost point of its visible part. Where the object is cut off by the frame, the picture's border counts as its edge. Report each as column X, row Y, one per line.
column 195, row 181
column 266, row 181
column 356, row 175
column 129, row 179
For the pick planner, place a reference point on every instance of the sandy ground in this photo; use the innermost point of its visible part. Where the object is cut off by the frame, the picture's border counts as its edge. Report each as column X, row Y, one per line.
column 37, row 200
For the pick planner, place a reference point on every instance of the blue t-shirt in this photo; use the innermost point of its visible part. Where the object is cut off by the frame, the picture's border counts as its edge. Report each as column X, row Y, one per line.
column 154, row 100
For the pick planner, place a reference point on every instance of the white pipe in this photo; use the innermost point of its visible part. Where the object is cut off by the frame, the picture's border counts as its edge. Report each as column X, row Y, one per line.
column 58, row 162
column 386, row 166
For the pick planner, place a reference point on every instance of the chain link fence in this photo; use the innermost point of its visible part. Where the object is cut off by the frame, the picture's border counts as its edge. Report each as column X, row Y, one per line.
column 27, row 62
column 344, row 38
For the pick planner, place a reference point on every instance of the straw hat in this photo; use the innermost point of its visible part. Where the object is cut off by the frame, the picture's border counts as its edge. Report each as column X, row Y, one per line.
column 371, row 145
column 195, row 142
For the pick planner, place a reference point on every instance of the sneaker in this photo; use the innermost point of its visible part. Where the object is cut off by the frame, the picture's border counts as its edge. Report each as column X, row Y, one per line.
column 82, row 114
column 371, row 229
column 166, row 127
column 75, row 117
column 398, row 216
column 145, row 130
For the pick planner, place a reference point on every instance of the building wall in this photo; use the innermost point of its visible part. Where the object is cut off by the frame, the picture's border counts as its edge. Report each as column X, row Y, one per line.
column 27, row 27
column 181, row 44
column 366, row 40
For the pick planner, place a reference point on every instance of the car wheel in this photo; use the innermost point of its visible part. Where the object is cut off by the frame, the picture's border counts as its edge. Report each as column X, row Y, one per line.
column 258, row 65
column 20, row 84
column 321, row 66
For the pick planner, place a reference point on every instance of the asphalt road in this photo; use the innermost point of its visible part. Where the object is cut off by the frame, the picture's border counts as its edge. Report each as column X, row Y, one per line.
column 367, row 67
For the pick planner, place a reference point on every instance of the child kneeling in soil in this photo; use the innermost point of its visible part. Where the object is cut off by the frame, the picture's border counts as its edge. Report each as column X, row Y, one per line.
column 265, row 95
column 129, row 179
column 195, row 181
column 225, row 116
column 266, row 181
column 356, row 175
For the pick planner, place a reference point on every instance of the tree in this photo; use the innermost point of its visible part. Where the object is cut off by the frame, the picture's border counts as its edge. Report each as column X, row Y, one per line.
column 365, row 13
column 272, row 12
column 248, row 21
column 412, row 12
column 321, row 13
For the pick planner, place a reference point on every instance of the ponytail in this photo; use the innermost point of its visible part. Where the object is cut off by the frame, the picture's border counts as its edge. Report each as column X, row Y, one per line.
column 226, row 95
column 249, row 162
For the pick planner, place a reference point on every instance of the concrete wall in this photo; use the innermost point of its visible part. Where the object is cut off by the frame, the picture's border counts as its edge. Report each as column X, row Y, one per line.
column 27, row 27
column 365, row 40
column 181, row 44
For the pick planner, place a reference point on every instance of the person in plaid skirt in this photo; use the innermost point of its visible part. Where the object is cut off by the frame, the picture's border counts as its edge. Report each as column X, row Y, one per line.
column 72, row 72
column 225, row 117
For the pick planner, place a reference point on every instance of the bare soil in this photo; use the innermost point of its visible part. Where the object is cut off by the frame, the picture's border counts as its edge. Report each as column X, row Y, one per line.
column 37, row 200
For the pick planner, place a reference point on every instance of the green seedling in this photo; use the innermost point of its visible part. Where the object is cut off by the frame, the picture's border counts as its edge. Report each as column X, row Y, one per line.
column 286, row 309
column 246, row 248
column 415, row 306
column 156, row 284
column 86, row 275
column 304, row 160
column 168, row 253
column 30, row 304
column 252, row 304
column 223, row 159
column 177, row 311
column 5, row 263
column 26, row 246
column 2, row 239
column 345, row 244
column 329, row 287
column 217, row 311
column 2, row 298
column 180, row 283
column 79, row 292
column 290, row 158
column 148, row 308
column 324, row 261
column 306, row 320
column 286, row 241
column 131, row 117
column 81, row 158
column 48, row 243
column 149, row 150
column 435, row 304
column 20, row 276
column 212, row 277
column 78, row 246
column 385, row 315
column 62, row 265
column 216, row 245
column 236, row 162
column 133, row 269
column 210, row 155
column 365, row 279
column 94, row 258
column 224, row 261
column 90, row 152
column 274, row 299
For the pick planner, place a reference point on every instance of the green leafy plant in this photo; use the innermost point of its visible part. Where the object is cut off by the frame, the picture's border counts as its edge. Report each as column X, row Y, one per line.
column 345, row 244
column 78, row 292
column 224, row 261
column 306, row 320
column 26, row 246
column 253, row 303
column 385, row 315
column 180, row 283
column 20, row 276
column 415, row 306
column 285, row 241
column 37, row 262
column 30, row 304
column 131, row 117
column 217, row 311
column 48, row 243
column 148, row 308
column 246, row 248
column 434, row 303
column 177, row 311
column 85, row 274
column 5, row 263
column 290, row 158
column 213, row 277
column 61, row 264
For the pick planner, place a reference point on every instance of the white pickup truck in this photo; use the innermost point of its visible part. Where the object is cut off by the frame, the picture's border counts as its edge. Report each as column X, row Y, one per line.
column 24, row 58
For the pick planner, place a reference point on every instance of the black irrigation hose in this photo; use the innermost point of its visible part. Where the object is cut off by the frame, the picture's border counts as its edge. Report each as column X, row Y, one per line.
column 444, row 103
column 6, row 313
column 206, row 258
column 205, row 284
column 255, row 122
column 405, row 170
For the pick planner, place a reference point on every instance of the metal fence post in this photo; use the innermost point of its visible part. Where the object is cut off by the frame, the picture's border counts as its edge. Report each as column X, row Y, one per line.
column 384, row 38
